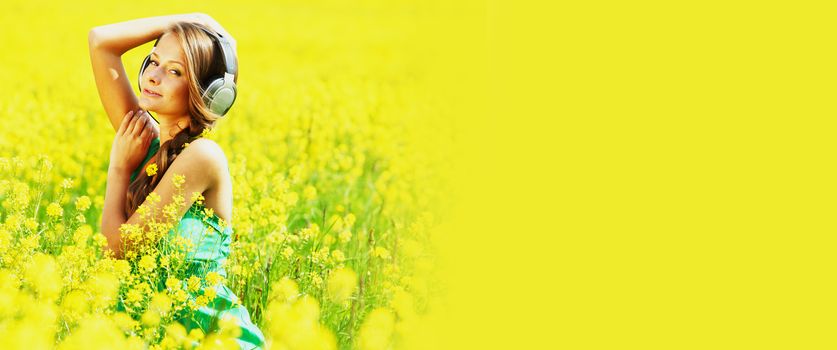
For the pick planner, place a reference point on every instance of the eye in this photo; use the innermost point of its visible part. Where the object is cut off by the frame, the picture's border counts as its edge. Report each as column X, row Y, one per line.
column 176, row 72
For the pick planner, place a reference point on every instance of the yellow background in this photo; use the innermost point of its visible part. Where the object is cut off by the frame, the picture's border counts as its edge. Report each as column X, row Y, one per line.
column 652, row 175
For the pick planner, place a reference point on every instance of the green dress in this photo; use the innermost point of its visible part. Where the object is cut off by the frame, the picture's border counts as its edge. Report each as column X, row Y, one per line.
column 211, row 249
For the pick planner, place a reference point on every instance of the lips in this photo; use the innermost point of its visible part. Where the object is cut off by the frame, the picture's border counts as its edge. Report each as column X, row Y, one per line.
column 150, row 93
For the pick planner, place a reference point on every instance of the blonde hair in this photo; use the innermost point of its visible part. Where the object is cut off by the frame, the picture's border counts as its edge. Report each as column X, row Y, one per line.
column 203, row 62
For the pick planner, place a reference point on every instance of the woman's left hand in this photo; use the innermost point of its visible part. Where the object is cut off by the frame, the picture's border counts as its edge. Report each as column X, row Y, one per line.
column 130, row 146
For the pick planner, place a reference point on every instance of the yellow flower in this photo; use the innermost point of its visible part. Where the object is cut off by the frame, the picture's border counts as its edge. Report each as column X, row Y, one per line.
column 82, row 203
column 287, row 252
column 145, row 287
column 31, row 224
column 310, row 192
column 349, row 219
column 175, row 336
column 180, row 296
column 196, row 334
column 345, row 236
column 55, row 210
column 377, row 330
column 122, row 268
column 201, row 301
column 213, row 278
column 194, row 283
column 123, row 321
column 284, row 290
column 134, row 296
column 33, row 241
column 338, row 256
column 178, row 179
column 172, row 283
column 210, row 293
column 82, row 233
column 150, row 318
column 68, row 183
column 100, row 239
column 341, row 284
column 381, row 252
column 335, row 222
column 316, row 280
column 293, row 197
column 143, row 210
column 43, row 275
column 229, row 324
column 197, row 197
column 151, row 170
column 147, row 263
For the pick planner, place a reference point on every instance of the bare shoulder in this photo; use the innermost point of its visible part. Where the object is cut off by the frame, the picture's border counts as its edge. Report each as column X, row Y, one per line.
column 205, row 154
column 206, row 148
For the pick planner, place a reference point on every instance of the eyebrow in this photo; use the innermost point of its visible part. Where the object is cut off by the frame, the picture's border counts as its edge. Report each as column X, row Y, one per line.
column 172, row 61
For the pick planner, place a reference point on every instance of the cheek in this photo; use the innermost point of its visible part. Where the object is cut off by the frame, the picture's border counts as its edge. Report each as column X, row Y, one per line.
column 180, row 94
column 177, row 91
column 183, row 90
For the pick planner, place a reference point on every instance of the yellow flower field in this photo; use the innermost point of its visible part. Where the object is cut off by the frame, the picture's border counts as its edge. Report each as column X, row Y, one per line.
column 337, row 150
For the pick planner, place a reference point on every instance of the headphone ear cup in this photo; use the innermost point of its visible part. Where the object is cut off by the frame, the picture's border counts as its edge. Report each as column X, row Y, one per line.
column 219, row 96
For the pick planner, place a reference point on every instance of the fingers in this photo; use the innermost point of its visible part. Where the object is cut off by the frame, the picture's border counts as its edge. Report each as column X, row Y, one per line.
column 126, row 122
column 145, row 133
column 143, row 121
column 136, row 123
column 148, row 130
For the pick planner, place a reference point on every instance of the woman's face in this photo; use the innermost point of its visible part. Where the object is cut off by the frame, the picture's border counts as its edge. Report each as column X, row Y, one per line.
column 164, row 85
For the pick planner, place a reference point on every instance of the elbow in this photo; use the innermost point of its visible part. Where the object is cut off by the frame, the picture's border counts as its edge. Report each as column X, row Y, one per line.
column 92, row 38
column 117, row 253
column 114, row 244
column 113, row 240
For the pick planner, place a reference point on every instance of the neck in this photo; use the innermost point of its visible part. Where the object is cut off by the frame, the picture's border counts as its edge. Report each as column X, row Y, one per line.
column 171, row 125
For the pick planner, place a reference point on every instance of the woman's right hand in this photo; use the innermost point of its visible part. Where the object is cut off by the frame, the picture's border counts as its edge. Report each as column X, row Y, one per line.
column 130, row 146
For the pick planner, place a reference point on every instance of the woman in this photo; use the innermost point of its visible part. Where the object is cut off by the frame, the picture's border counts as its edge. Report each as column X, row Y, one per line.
column 145, row 155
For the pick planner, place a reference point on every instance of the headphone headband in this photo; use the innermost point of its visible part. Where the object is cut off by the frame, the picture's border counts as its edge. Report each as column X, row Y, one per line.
column 227, row 53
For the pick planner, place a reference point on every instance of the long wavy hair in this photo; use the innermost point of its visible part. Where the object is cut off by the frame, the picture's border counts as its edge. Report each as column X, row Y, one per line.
column 203, row 61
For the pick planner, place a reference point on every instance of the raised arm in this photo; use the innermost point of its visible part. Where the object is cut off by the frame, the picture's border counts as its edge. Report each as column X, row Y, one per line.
column 108, row 42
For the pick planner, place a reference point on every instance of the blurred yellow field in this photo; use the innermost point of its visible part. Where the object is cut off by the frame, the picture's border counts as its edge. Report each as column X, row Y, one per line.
column 337, row 149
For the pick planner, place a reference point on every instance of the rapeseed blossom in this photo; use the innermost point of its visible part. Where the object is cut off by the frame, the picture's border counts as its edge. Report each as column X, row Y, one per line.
column 82, row 203
column 55, row 210
column 341, row 284
column 147, row 263
column 151, row 169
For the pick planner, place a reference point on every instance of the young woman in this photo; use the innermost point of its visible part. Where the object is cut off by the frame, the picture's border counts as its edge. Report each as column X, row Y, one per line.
column 176, row 83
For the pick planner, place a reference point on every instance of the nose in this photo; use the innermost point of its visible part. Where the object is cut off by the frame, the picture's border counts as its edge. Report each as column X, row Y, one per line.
column 153, row 74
